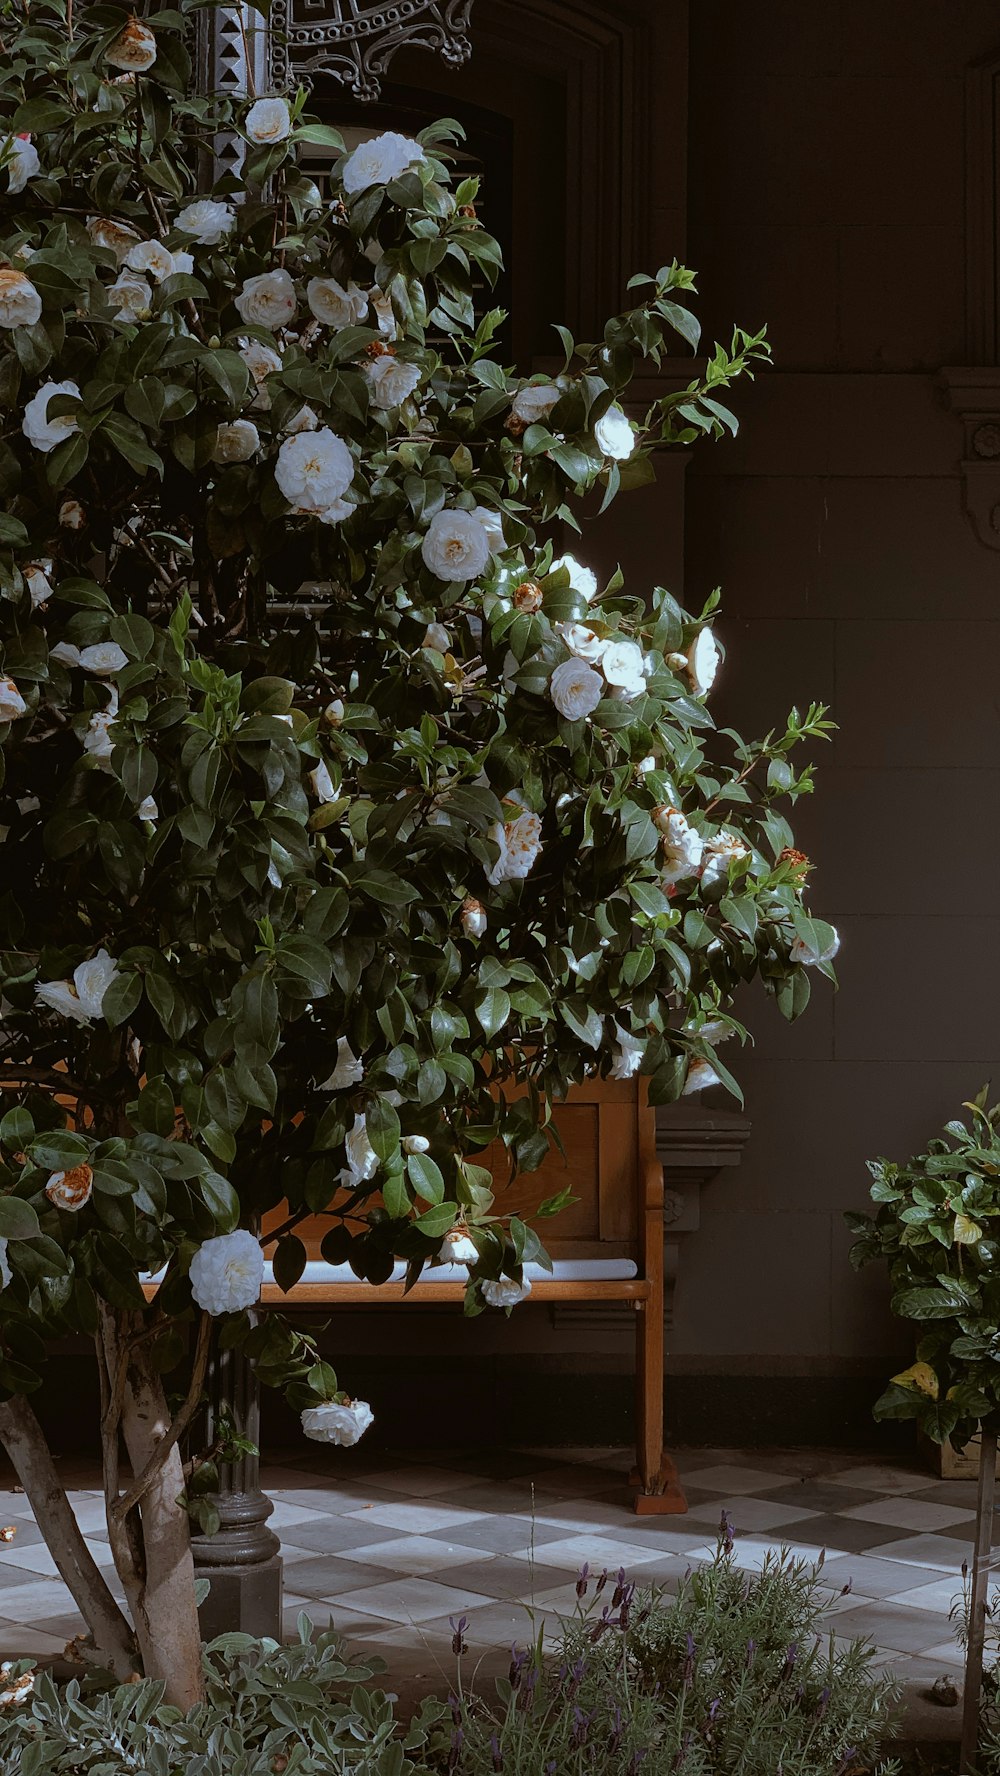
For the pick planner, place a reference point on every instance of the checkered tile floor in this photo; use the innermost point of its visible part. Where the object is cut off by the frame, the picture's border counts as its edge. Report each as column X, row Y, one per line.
column 391, row 1546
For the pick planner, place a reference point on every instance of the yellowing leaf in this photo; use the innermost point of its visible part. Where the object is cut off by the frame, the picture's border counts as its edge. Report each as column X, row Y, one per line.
column 967, row 1231
column 921, row 1377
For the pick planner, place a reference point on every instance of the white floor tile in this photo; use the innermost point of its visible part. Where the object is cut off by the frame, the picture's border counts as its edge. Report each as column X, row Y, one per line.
column 748, row 1513
column 418, row 1518
column 911, row 1513
column 882, row 1479
column 409, row 1600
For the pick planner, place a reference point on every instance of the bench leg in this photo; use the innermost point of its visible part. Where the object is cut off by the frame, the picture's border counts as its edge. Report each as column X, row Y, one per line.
column 659, row 1490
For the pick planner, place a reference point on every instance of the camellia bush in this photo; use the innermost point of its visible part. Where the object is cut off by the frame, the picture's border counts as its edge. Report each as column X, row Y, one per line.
column 298, row 883
column 935, row 1227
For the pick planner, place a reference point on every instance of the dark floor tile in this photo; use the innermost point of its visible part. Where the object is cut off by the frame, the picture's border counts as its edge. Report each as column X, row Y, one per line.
column 327, row 1576
column 502, row 1577
column 503, row 1535
column 841, row 1535
column 893, row 1626
column 334, row 1535
column 960, row 1493
column 816, row 1495
column 507, row 1498
column 496, row 1464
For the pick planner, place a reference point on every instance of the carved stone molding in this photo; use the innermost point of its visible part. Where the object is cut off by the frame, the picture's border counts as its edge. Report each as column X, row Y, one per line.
column 694, row 1144
column 982, row 209
column 974, row 395
column 353, row 41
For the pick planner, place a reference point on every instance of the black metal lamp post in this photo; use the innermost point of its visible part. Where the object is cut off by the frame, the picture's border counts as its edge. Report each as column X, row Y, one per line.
column 242, row 1559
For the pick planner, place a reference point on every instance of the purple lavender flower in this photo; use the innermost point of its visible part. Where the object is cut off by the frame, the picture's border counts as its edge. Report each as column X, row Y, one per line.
column 689, row 1663
column 495, row 1752
column 458, row 1625
column 518, row 1660
column 581, row 1580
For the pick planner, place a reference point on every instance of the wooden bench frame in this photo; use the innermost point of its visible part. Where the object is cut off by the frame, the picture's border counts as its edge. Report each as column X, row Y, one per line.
column 637, row 1223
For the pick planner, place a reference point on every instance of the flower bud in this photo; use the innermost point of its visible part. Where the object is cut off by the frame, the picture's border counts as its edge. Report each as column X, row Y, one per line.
column 473, row 917
column 528, row 596
column 333, row 714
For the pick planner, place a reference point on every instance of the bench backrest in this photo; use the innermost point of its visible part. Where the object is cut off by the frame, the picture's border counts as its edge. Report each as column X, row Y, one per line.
column 608, row 1133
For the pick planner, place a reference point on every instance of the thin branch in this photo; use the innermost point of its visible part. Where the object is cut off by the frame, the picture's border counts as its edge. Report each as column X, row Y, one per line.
column 141, row 1485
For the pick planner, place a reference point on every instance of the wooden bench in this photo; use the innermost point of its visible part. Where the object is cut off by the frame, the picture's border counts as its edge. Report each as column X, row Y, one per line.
column 607, row 1246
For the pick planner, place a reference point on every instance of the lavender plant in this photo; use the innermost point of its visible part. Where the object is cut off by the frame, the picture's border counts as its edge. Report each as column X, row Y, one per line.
column 732, row 1677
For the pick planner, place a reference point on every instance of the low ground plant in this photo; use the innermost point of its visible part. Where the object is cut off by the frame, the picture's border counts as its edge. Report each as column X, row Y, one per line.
column 306, row 1710
column 731, row 1677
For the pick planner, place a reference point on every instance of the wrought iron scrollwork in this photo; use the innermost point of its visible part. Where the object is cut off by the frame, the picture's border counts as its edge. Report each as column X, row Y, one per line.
column 353, row 42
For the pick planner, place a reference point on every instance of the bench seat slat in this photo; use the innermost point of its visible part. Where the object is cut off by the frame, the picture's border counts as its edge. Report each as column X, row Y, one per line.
column 367, row 1295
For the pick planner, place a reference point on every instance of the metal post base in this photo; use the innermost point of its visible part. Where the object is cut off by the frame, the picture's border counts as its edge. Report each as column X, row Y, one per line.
column 242, row 1600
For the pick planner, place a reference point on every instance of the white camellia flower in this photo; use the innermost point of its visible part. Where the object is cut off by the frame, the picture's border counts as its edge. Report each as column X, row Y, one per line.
column 334, row 712
column 12, row 703
column 82, row 998
column 268, row 121
column 362, row 1160
column 622, row 665
column 344, row 1424
column 415, row 1144
column 206, row 221
column 455, row 546
column 390, row 382
column 322, row 784
column 330, row 303
column 183, row 262
column 457, row 1248
column 582, row 642
column 103, row 658
column 535, row 402
column 227, row 1273
column 236, row 441
column 379, row 161
column 582, row 579
column 436, row 636
column 575, row 689
column 520, row 842
column 313, row 470
column 473, row 917
column 36, row 578
column 703, row 660
column 805, row 952
column 150, row 258
column 6, row 1274
column 72, row 515
column 700, row 1075
column 629, row 1051
column 131, row 296
column 384, row 314
column 682, row 846
column 349, row 1070
column 114, row 237
column 336, row 511
column 267, row 300
column 134, row 48
column 260, row 360
column 23, row 163
column 148, row 810
column 305, row 420
column 492, row 524
column 614, row 436
column 722, row 850
column 66, row 653
column 20, row 303
column 97, row 741
column 506, row 1292
column 41, row 431
column 71, row 1190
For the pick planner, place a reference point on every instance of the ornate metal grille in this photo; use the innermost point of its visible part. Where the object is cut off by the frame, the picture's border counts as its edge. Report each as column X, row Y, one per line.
column 354, row 41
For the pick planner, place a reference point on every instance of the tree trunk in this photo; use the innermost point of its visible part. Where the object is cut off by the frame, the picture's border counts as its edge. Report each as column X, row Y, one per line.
column 166, row 1614
column 24, row 1440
